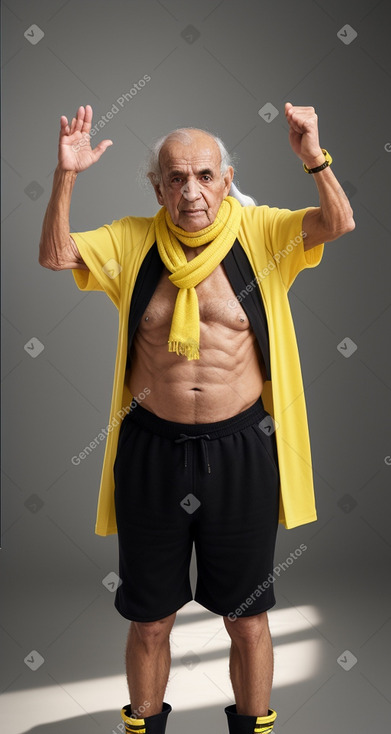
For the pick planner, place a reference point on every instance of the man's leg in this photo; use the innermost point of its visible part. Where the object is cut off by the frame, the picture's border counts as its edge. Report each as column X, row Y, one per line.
column 148, row 661
column 251, row 663
column 155, row 545
column 234, row 541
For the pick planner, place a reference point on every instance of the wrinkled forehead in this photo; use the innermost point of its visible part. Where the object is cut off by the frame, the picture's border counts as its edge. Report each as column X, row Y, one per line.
column 200, row 151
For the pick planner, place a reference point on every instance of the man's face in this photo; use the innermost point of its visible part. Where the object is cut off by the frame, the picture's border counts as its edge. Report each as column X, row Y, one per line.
column 192, row 187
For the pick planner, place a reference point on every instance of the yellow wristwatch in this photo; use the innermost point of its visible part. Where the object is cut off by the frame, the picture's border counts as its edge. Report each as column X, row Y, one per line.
column 324, row 165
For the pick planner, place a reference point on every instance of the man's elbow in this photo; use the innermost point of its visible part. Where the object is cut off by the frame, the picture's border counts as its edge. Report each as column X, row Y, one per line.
column 348, row 219
column 43, row 255
column 345, row 225
column 351, row 225
column 43, row 263
column 47, row 264
column 348, row 225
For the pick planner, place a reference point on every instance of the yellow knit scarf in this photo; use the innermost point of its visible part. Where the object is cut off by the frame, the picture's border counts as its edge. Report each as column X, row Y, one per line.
column 184, row 337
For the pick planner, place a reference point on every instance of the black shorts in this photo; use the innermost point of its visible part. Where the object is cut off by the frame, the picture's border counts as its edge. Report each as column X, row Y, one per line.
column 214, row 484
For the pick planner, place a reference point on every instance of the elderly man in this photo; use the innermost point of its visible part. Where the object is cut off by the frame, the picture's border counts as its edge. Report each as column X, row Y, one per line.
column 204, row 330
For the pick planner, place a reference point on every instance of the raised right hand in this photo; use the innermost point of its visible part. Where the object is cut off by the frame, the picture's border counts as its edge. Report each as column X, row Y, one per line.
column 74, row 146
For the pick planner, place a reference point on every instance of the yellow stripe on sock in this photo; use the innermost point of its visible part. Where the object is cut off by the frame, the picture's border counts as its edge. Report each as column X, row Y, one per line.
column 132, row 725
column 133, row 722
column 264, row 724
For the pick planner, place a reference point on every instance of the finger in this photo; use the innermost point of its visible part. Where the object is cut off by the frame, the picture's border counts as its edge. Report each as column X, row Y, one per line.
column 72, row 125
column 100, row 149
column 292, row 116
column 295, row 122
column 299, row 120
column 297, row 129
column 64, row 127
column 63, row 124
column 301, row 108
column 87, row 119
column 79, row 118
column 302, row 111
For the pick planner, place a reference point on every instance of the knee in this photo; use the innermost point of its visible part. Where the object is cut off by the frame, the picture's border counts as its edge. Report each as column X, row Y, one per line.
column 247, row 631
column 154, row 633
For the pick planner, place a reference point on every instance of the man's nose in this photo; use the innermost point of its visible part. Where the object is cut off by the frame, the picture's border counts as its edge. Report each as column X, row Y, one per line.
column 191, row 191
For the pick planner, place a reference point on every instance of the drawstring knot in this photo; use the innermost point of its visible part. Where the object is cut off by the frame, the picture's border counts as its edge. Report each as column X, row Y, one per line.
column 202, row 436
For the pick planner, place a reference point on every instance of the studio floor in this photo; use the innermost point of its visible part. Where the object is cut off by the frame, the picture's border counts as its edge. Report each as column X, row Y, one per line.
column 330, row 634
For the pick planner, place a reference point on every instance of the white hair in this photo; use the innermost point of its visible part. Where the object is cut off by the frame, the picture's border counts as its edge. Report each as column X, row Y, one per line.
column 151, row 169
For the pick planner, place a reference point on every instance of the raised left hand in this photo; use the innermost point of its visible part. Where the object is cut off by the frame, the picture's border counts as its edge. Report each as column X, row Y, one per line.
column 304, row 134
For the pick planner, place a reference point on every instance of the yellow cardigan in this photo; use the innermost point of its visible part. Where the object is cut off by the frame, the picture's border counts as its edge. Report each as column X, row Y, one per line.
column 273, row 241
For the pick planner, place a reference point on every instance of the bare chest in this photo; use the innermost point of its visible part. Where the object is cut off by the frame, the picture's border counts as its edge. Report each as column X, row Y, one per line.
column 216, row 299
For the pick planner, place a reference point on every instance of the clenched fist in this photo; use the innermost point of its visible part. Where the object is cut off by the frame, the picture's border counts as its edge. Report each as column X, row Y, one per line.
column 304, row 134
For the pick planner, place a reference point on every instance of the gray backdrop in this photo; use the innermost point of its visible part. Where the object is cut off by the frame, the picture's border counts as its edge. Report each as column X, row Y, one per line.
column 212, row 65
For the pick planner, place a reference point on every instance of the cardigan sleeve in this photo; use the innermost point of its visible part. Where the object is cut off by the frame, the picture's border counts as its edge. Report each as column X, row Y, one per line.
column 102, row 252
column 284, row 239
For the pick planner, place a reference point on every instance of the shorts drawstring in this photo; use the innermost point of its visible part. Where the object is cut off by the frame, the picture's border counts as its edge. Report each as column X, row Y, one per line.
column 202, row 436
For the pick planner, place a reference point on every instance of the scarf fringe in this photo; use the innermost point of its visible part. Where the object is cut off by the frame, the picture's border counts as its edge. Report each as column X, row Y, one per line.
column 186, row 349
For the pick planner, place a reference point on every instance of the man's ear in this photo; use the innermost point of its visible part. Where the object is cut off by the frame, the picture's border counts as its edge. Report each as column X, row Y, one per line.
column 158, row 194
column 228, row 178
column 157, row 190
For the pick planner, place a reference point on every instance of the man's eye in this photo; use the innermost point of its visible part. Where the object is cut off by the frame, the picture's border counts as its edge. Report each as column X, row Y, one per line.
column 176, row 179
column 206, row 177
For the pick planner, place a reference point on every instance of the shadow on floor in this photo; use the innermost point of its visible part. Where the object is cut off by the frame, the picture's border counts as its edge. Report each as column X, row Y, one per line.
column 192, row 721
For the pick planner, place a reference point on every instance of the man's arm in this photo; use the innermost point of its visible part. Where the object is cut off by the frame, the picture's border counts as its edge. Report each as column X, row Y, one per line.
column 57, row 249
column 334, row 216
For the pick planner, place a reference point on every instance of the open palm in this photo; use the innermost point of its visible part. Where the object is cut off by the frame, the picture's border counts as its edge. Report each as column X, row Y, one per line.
column 74, row 147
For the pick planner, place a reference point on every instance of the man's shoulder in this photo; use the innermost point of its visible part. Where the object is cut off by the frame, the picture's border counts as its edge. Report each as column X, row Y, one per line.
column 133, row 223
column 269, row 215
column 262, row 210
column 256, row 217
column 256, row 212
